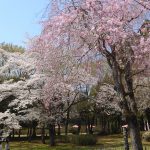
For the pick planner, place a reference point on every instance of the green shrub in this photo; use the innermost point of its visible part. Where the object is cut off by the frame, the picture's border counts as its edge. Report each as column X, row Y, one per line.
column 63, row 138
column 101, row 133
column 74, row 131
column 83, row 140
column 146, row 136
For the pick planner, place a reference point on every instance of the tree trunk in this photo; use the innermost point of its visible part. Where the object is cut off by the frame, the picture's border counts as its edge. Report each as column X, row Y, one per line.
column 52, row 135
column 13, row 133
column 89, row 125
column 91, row 129
column 134, row 133
column 30, row 134
column 148, row 128
column 141, row 123
column 0, row 146
column 108, row 126
column 34, row 132
column 79, row 127
column 59, row 131
column 67, row 122
column 125, row 134
column 104, row 125
column 19, row 133
column 123, row 85
column 86, row 128
column 43, row 135
column 145, row 127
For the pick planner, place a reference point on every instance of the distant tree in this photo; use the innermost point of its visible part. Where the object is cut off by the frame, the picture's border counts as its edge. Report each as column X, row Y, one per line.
column 20, row 90
column 11, row 47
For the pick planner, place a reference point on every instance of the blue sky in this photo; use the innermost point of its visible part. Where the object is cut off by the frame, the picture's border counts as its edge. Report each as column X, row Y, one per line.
column 19, row 18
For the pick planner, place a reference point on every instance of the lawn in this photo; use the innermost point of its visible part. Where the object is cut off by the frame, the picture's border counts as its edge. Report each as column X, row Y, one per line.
column 111, row 142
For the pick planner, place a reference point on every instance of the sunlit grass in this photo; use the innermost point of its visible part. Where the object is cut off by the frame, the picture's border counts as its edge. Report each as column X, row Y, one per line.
column 114, row 142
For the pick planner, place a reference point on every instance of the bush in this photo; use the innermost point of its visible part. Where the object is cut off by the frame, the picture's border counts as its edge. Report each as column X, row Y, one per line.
column 74, row 131
column 83, row 140
column 63, row 138
column 101, row 133
column 146, row 136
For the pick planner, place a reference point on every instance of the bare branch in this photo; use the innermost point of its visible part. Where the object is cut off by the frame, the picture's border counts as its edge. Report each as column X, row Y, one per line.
column 140, row 3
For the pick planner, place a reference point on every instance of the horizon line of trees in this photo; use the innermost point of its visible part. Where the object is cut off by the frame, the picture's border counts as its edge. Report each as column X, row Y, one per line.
column 10, row 47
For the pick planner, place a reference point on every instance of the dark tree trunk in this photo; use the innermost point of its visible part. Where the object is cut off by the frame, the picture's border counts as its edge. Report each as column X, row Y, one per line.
column 112, row 129
column 148, row 126
column 103, row 125
column 125, row 134
column 43, row 135
column 89, row 125
column 126, row 93
column 134, row 133
column 79, row 127
column 136, row 141
column 147, row 113
column 19, row 133
column 13, row 133
column 30, row 134
column 91, row 129
column 52, row 135
column 34, row 132
column 59, row 130
column 119, row 123
column 116, row 127
column 67, row 122
column 108, row 127
column 142, row 123
column 86, row 128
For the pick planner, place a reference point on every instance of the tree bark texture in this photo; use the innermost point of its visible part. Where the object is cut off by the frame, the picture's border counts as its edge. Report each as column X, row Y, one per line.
column 67, row 122
column 52, row 135
column 134, row 133
column 125, row 134
column 123, row 84
column 43, row 135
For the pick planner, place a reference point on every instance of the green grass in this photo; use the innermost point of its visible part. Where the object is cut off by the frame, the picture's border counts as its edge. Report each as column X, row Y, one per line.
column 36, row 146
column 108, row 142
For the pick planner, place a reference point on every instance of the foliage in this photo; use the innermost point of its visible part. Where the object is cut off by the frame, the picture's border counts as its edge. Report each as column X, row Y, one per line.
column 20, row 88
column 84, row 140
column 11, row 47
column 63, row 138
column 80, row 29
column 146, row 136
column 74, row 131
column 83, row 28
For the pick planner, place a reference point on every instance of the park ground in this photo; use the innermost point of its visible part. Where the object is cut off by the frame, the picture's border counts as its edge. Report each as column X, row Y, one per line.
column 110, row 142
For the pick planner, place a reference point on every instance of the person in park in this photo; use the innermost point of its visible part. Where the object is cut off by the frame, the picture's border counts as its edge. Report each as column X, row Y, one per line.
column 1, row 139
column 4, row 139
column 0, row 145
column 7, row 144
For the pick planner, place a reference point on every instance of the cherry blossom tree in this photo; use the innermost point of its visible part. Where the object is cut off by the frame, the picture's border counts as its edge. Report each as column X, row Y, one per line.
column 111, row 28
column 59, row 94
column 65, row 76
column 20, row 89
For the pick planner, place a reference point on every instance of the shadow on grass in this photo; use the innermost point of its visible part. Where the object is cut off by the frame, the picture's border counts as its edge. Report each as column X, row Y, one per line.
column 111, row 142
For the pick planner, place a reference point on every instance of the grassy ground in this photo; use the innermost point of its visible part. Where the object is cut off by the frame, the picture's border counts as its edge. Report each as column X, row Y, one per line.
column 114, row 142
